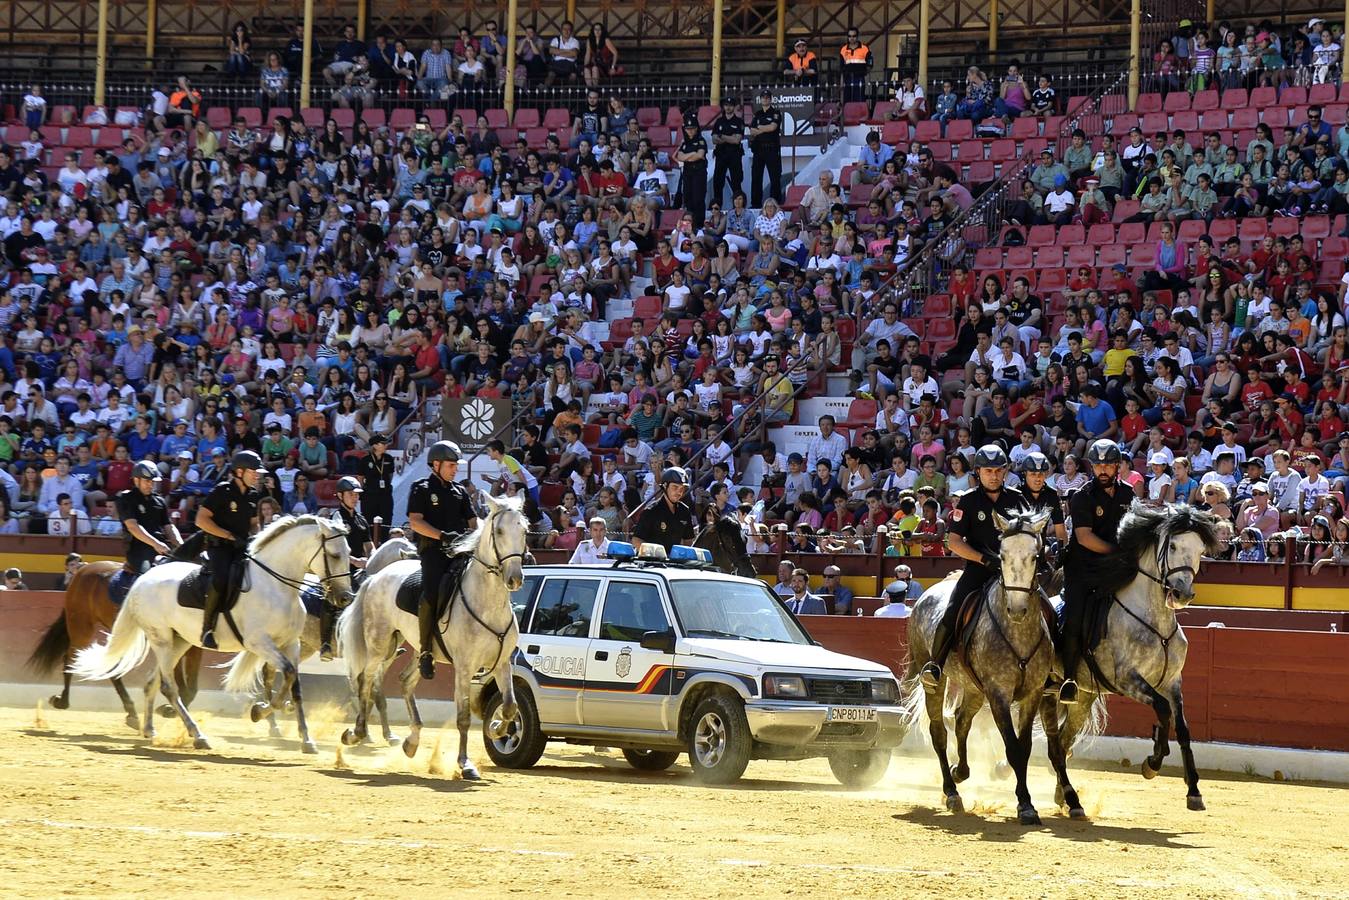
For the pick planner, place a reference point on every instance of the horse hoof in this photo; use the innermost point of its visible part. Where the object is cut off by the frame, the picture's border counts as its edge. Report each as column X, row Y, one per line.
column 350, row 738
column 960, row 773
column 1195, row 802
column 308, row 747
column 258, row 711
column 57, row 702
column 392, row 739
column 468, row 773
column 148, row 734
column 166, row 711
column 1002, row 770
column 1058, row 796
column 132, row 722
column 1028, row 816
column 409, row 747
column 288, row 706
column 201, row 743
column 1148, row 771
column 954, row 803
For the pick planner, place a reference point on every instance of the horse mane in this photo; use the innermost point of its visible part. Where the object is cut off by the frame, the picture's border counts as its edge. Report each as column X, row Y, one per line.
column 1144, row 528
column 469, row 541
column 283, row 524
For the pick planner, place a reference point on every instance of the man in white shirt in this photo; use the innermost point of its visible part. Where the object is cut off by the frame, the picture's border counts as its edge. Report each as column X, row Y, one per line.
column 563, row 51
column 62, row 484
column 784, row 586
column 594, row 549
column 888, row 326
column 899, row 593
column 58, row 520
column 829, row 445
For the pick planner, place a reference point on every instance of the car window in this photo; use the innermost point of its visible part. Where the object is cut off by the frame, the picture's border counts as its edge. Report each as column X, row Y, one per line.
column 732, row 610
column 631, row 609
column 523, row 596
column 566, row 606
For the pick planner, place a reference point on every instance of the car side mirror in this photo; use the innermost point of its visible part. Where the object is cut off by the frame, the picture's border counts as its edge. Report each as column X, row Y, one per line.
column 660, row 641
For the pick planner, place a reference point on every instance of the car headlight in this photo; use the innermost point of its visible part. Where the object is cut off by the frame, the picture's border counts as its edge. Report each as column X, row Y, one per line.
column 884, row 690
column 784, row 687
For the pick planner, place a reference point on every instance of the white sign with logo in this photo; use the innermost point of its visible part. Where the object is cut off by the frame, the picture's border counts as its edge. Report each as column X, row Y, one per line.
column 472, row 421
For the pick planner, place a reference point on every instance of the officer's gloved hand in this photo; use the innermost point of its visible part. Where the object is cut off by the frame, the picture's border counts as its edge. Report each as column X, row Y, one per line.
column 448, row 539
column 991, row 561
column 240, row 543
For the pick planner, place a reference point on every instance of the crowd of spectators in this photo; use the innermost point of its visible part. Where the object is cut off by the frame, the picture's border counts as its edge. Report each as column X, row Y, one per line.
column 298, row 290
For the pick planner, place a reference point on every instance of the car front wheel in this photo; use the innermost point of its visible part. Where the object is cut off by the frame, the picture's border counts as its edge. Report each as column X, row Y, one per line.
column 859, row 768
column 719, row 740
column 523, row 742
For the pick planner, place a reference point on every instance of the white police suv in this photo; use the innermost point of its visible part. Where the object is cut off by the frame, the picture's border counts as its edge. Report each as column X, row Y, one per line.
column 660, row 657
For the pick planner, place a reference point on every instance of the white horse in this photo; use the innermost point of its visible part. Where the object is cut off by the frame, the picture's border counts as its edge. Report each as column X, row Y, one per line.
column 394, row 549
column 269, row 618
column 478, row 628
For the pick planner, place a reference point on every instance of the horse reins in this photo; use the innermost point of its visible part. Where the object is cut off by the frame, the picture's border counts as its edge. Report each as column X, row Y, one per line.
column 1167, row 570
column 301, row 584
column 1030, row 591
column 496, row 570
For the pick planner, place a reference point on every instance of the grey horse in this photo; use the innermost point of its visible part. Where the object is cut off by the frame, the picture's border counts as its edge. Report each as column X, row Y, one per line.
column 1142, row 652
column 1006, row 658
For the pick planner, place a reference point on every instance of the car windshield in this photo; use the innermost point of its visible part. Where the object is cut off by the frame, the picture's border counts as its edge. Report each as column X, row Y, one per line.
column 733, row 610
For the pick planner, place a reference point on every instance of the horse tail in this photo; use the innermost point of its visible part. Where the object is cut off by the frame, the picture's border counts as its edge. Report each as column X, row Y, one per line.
column 52, row 649
column 1097, row 718
column 245, row 673
column 913, row 702
column 124, row 649
column 351, row 636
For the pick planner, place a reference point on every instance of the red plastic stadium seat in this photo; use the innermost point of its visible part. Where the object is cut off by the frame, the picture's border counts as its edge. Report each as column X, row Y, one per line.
column 1262, row 97
column 928, row 130
column 937, row 306
column 988, row 258
column 1148, row 103
column 1186, row 121
column 1245, row 117
column 218, row 117
column 1321, row 93
column 1071, row 234
column 1081, row 255
column 1143, row 255
column 497, row 118
column 1252, row 229
column 855, row 112
column 959, row 130
column 895, row 133
column 1101, row 234
column 1176, row 101
column 345, row 118
column 1039, row 236
column 1293, row 95
column 861, row 414
column 1112, row 255
column 1049, row 257
column 1205, row 100
column 1020, row 257
column 1132, row 233
column 982, row 171
column 1053, row 280
column 1025, row 127
column 941, row 329
column 881, row 114
column 374, row 117
column 556, row 118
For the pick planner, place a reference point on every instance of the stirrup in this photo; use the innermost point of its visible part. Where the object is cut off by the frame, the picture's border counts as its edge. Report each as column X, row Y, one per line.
column 930, row 675
column 427, row 664
column 208, row 639
column 1068, row 692
column 326, row 652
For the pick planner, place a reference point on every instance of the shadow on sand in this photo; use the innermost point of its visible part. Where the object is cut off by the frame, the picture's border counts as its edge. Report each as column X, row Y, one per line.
column 440, row 784
column 1006, row 830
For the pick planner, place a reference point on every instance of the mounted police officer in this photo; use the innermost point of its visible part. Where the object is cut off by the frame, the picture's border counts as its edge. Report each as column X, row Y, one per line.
column 974, row 538
column 149, row 533
column 359, row 547
column 440, row 512
column 1040, row 497
column 669, row 519
column 1096, row 511
column 228, row 515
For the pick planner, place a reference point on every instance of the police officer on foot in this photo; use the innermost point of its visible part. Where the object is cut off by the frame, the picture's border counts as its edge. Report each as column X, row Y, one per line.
column 149, row 533
column 728, row 149
column 1096, row 511
column 440, row 512
column 358, row 546
column 228, row 515
column 974, row 538
column 692, row 157
column 765, row 144
column 376, row 473
column 669, row 518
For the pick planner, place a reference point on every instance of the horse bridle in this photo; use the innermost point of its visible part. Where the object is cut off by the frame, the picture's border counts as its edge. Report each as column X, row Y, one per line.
column 1164, row 565
column 716, row 533
column 496, row 570
column 1034, row 586
column 1167, row 570
column 301, row 584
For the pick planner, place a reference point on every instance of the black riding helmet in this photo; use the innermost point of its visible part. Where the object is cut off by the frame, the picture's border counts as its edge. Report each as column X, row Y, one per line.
column 443, row 451
column 1036, row 462
column 348, row 483
column 146, row 469
column 674, row 475
column 990, row 456
column 1104, row 451
column 247, row 459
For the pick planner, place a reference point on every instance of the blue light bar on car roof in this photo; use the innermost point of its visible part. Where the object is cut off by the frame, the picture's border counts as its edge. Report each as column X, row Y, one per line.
column 621, row 550
column 690, row 554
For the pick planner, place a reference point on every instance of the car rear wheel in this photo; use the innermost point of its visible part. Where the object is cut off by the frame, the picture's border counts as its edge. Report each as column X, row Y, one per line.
column 719, row 740
column 651, row 760
column 522, row 744
column 859, row 768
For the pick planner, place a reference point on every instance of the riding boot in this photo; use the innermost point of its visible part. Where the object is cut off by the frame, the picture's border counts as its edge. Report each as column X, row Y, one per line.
column 210, row 611
column 326, row 616
column 1070, row 649
column 426, row 627
column 941, row 646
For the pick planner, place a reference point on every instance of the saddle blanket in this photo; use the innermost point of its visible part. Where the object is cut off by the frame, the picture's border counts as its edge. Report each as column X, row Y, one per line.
column 119, row 585
column 192, row 589
column 410, row 593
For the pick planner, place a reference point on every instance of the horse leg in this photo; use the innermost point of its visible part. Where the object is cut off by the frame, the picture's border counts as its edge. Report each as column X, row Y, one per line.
column 463, row 718
column 382, row 707
column 505, row 680
column 1018, row 755
column 188, row 670
column 151, row 691
column 62, row 700
column 1064, row 793
column 307, row 744
column 1193, row 799
column 410, row 678
column 268, row 699
column 167, row 661
column 132, row 722
column 1160, row 732
column 969, row 708
column 936, row 727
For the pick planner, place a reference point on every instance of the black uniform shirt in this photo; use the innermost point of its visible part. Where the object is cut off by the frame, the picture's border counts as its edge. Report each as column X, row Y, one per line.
column 1093, row 507
column 662, row 525
column 376, row 474
column 694, row 144
column 233, row 509
column 972, row 518
column 771, row 140
column 1047, row 500
column 149, row 513
column 443, row 504
column 729, row 126
column 358, row 532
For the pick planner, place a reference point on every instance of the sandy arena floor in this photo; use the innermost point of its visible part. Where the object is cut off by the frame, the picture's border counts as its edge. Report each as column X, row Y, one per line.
column 92, row 809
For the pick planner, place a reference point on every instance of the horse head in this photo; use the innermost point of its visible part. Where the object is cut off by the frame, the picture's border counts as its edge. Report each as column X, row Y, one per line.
column 726, row 541
column 1184, row 538
column 502, row 541
column 1020, row 546
column 331, row 563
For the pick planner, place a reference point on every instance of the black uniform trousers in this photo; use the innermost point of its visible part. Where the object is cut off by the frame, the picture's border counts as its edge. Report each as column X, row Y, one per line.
column 1080, row 599
column 434, row 566
column 376, row 504
column 693, row 187
column 974, row 578
column 770, row 159
column 727, row 166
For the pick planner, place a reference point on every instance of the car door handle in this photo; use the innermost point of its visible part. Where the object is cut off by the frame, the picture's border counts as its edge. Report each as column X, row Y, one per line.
column 532, row 649
column 601, row 654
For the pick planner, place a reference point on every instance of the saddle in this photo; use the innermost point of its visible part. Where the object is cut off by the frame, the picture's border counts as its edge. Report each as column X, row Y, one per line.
column 409, row 596
column 192, row 589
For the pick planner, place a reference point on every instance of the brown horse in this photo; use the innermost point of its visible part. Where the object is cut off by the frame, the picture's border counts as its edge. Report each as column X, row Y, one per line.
column 88, row 613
